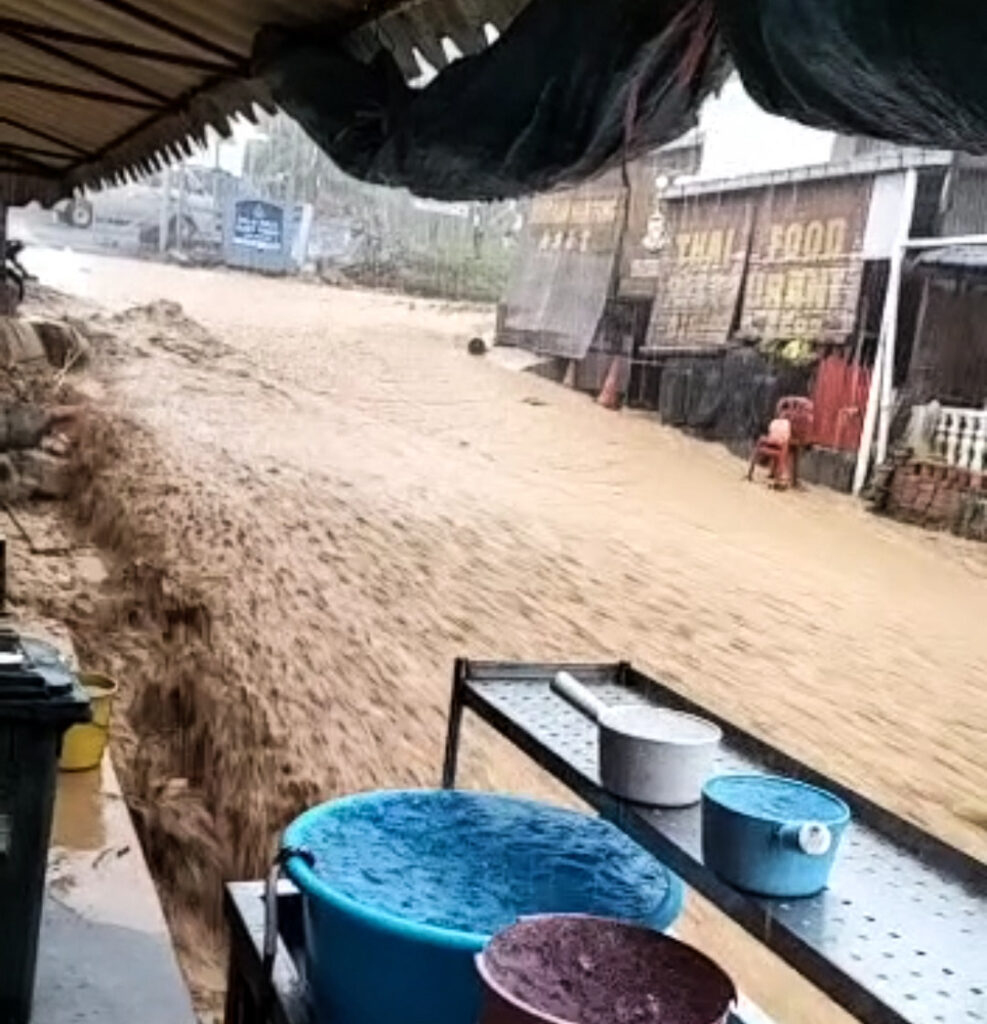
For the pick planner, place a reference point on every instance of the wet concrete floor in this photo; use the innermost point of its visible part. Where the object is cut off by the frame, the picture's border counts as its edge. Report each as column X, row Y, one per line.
column 105, row 953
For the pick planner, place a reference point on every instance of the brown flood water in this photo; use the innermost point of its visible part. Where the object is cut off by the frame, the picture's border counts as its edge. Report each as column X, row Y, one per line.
column 327, row 501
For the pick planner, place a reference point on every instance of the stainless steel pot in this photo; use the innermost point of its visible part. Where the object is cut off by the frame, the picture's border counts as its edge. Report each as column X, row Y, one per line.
column 648, row 754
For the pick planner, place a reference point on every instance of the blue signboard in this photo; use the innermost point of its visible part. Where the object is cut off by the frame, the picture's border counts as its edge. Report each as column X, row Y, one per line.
column 258, row 225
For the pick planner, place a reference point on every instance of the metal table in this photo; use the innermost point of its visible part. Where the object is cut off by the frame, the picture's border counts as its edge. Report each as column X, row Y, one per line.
column 250, row 997
column 900, row 937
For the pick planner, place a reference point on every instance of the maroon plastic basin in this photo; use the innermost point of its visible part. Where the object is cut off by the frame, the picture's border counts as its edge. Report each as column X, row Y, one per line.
column 573, row 969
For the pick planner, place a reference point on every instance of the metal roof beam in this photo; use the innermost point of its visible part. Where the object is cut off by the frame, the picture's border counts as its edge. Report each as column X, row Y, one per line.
column 26, row 153
column 96, row 95
column 163, row 25
column 39, row 133
column 88, row 65
column 15, row 26
column 28, row 172
column 26, row 161
column 51, row 154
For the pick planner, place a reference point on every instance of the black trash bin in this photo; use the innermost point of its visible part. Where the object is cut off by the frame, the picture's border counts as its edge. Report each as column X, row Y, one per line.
column 40, row 697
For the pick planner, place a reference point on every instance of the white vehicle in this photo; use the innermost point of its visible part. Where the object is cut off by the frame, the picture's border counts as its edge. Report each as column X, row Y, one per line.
column 194, row 211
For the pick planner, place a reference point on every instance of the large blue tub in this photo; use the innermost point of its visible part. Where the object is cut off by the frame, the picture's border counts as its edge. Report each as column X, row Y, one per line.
column 401, row 889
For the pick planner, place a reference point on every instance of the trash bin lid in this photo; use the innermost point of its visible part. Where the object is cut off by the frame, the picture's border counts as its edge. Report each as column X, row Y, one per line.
column 37, row 683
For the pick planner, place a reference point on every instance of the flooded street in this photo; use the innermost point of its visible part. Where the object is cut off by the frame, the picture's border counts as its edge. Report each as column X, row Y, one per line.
column 320, row 500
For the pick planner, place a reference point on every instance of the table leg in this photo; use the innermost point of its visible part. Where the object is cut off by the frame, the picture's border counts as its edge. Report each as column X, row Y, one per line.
column 451, row 760
column 234, row 1009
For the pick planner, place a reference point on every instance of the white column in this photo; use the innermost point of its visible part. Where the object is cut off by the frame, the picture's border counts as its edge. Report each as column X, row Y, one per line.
column 890, row 325
column 880, row 398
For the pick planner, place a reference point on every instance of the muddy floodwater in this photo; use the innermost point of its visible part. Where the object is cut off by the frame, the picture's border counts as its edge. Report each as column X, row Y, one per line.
column 318, row 499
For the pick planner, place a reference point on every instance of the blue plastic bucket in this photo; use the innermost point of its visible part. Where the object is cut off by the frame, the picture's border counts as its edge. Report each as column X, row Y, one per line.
column 402, row 889
column 770, row 835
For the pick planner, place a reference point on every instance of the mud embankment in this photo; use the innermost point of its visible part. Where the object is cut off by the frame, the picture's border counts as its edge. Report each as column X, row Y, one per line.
column 193, row 744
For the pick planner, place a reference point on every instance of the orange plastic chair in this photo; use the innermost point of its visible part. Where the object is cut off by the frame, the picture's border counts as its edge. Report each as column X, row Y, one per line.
column 788, row 433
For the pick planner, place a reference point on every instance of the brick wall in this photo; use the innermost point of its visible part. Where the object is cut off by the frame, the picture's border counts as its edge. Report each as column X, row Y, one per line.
column 935, row 496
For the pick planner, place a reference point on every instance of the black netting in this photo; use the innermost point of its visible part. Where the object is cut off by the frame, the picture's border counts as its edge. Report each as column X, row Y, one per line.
column 555, row 100
column 909, row 71
column 728, row 396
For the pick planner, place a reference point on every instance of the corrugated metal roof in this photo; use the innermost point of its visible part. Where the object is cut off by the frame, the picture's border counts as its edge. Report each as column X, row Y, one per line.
column 94, row 89
column 880, row 163
column 954, row 257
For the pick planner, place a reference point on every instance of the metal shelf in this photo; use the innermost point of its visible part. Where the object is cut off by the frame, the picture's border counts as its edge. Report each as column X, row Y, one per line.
column 900, row 937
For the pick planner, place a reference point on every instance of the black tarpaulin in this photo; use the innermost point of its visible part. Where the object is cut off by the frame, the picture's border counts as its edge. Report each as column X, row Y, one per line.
column 573, row 86
column 910, row 71
column 730, row 396
column 569, row 89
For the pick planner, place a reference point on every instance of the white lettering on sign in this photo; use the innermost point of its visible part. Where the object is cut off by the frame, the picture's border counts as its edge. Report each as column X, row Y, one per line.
column 567, row 210
column 576, row 240
column 711, row 248
column 802, row 301
column 806, row 242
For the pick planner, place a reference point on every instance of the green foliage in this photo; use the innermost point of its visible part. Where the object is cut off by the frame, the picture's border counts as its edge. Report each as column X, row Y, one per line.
column 454, row 251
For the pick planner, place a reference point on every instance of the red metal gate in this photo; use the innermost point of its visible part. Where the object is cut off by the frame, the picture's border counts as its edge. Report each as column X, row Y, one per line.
column 839, row 397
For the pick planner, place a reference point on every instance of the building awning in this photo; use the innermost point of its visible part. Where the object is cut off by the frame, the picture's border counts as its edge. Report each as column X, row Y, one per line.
column 959, row 258
column 91, row 90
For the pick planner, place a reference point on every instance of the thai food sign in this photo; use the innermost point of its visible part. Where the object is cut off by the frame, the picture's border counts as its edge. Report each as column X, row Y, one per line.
column 776, row 263
column 703, row 249
column 806, row 261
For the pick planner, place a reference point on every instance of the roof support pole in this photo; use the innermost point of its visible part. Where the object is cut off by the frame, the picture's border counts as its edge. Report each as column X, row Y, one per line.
column 3, row 256
column 880, row 399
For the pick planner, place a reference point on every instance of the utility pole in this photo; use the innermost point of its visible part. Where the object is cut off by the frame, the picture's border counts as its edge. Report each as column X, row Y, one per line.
column 180, row 215
column 291, row 190
column 165, row 210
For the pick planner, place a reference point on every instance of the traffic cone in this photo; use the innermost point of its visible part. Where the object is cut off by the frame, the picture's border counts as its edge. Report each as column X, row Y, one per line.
column 609, row 396
column 569, row 380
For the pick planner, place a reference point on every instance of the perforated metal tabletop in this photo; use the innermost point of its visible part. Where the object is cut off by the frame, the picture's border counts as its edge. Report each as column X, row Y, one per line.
column 899, row 936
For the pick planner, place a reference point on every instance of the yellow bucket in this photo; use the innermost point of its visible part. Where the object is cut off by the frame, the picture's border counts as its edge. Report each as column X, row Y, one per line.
column 83, row 745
